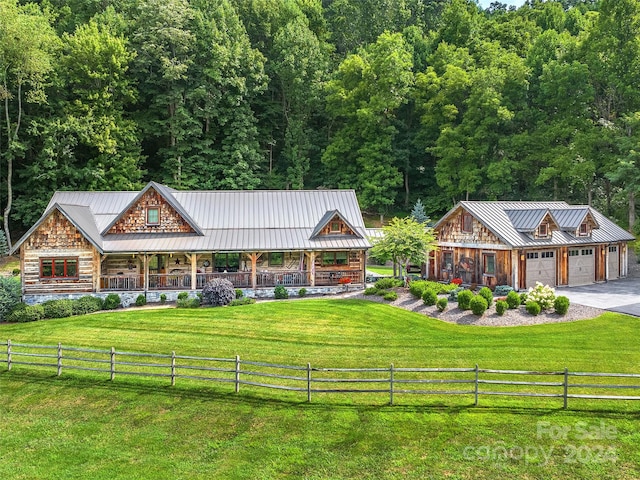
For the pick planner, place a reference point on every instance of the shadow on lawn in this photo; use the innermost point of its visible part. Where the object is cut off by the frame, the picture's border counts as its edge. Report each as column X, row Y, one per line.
column 261, row 399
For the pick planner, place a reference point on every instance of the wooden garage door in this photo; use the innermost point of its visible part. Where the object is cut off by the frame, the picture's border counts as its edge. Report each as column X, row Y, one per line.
column 613, row 263
column 582, row 267
column 541, row 267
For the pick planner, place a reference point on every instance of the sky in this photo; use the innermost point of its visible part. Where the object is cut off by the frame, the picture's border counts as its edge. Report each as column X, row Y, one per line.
column 486, row 3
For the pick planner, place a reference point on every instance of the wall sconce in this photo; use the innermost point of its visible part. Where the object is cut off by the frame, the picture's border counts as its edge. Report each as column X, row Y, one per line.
column 522, row 257
column 564, row 254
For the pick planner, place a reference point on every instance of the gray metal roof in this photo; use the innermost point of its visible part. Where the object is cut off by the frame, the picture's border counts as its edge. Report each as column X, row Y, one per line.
column 499, row 217
column 526, row 220
column 257, row 220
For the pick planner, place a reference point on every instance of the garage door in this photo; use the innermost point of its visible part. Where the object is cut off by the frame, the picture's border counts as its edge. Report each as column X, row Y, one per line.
column 541, row 267
column 582, row 269
column 613, row 263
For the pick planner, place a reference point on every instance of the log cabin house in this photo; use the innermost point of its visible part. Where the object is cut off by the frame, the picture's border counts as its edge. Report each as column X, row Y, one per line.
column 521, row 243
column 161, row 240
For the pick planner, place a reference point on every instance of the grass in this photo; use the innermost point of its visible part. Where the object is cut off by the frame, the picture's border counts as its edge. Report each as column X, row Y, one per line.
column 83, row 426
column 380, row 269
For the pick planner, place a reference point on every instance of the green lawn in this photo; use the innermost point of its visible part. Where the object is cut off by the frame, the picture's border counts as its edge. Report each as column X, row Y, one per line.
column 380, row 269
column 83, row 426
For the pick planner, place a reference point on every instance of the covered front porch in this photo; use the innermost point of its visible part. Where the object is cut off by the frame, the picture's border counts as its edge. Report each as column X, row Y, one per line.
column 245, row 270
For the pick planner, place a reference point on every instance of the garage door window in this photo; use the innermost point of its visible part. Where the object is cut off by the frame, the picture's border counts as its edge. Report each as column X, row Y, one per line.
column 532, row 255
column 547, row 254
column 574, row 253
column 613, row 249
column 587, row 251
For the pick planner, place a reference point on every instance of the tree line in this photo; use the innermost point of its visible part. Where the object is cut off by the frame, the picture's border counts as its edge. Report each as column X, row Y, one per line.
column 400, row 100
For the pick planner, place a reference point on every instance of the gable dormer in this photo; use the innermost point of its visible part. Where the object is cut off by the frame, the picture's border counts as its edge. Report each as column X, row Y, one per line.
column 586, row 226
column 546, row 227
column 333, row 223
column 153, row 210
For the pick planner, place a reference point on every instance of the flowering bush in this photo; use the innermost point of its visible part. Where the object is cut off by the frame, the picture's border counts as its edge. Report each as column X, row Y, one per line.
column 543, row 295
column 344, row 280
column 457, row 281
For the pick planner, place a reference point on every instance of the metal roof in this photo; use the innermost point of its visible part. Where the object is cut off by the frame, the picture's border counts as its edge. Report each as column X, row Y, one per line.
column 526, row 220
column 499, row 218
column 258, row 220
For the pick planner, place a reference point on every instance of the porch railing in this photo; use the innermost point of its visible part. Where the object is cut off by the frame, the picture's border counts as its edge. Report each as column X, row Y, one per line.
column 169, row 281
column 291, row 278
column 121, row 282
column 335, row 277
column 239, row 279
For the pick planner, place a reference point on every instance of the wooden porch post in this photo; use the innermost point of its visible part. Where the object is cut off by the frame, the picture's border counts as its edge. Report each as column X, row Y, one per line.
column 194, row 271
column 98, row 272
column 145, row 275
column 313, row 269
column 254, row 273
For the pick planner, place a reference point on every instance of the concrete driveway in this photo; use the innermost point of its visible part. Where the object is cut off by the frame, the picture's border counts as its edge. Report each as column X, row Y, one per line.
column 622, row 295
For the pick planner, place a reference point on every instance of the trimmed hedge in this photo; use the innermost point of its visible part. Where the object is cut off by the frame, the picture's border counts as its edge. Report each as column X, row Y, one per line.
column 441, row 304
column 478, row 305
column 87, row 304
column 390, row 296
column 371, row 291
column 561, row 305
column 501, row 307
column 429, row 297
column 513, row 299
column 26, row 313
column 533, row 308
column 111, row 302
column 58, row 308
column 280, row 292
column 242, row 301
column 464, row 299
column 388, row 282
column 487, row 294
column 141, row 300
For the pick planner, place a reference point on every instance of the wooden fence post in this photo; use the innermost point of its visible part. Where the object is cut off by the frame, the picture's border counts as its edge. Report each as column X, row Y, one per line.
column 59, row 359
column 237, row 373
column 475, row 402
column 309, row 382
column 566, row 386
column 8, row 354
column 391, row 385
column 113, row 363
column 173, row 368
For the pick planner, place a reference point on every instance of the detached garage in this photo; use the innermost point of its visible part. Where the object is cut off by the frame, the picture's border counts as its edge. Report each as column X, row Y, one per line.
column 549, row 242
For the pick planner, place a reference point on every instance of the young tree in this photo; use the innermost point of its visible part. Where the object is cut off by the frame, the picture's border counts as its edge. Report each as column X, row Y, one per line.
column 418, row 213
column 405, row 241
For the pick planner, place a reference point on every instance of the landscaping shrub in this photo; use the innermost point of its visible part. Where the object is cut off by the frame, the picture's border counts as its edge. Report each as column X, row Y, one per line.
column 15, row 272
column 523, row 298
column 501, row 307
column 487, row 294
column 441, row 304
column 189, row 302
column 533, row 307
column 87, row 304
column 218, row 292
column 141, row 300
column 58, row 308
column 513, row 299
column 464, row 299
column 26, row 313
column 371, row 291
column 239, row 293
column 390, row 296
column 10, row 292
column 429, row 297
column 183, row 295
column 280, row 292
column 163, row 298
column 561, row 305
column 453, row 294
column 302, row 292
column 242, row 301
column 417, row 288
column 543, row 295
column 478, row 305
column 111, row 302
column 502, row 290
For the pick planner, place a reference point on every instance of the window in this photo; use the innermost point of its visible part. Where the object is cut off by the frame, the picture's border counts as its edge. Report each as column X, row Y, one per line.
column 467, row 223
column 543, row 230
column 335, row 258
column 587, row 251
column 574, row 253
column 613, row 249
column 335, row 227
column 153, row 216
column 489, row 263
column 584, row 229
column 226, row 261
column 58, row 268
column 447, row 260
column 276, row 259
column 547, row 255
column 532, row 255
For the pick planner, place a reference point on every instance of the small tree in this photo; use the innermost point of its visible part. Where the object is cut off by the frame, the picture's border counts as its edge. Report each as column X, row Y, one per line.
column 418, row 213
column 405, row 241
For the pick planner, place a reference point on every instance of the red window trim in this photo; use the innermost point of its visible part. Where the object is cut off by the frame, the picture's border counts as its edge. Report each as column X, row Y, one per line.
column 53, row 267
column 147, row 216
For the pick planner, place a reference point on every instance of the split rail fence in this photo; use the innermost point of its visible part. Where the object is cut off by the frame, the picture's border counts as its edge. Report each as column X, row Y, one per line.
column 389, row 381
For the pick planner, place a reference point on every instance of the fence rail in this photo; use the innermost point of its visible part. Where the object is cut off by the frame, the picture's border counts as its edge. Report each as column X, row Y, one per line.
column 390, row 380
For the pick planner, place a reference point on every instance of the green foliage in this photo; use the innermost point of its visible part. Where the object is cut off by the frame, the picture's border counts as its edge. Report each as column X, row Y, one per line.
column 487, row 294
column 417, row 287
column 513, row 299
column 87, row 304
column 453, row 294
column 533, row 307
column 464, row 299
column 183, row 295
column 478, row 305
column 561, row 305
column 502, row 290
column 388, row 282
column 4, row 247
column 501, row 307
column 111, row 302
column 239, row 293
column 26, row 313
column 371, row 291
column 58, row 308
column 188, row 303
column 441, row 304
column 418, row 213
column 10, row 294
column 280, row 292
column 302, row 292
column 429, row 297
column 390, row 296
column 141, row 300
column 163, row 298
column 543, row 295
column 218, row 292
column 242, row 301
column 523, row 298
column 15, row 272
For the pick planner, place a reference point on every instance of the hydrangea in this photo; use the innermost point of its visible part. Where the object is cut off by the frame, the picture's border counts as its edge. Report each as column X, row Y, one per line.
column 543, row 295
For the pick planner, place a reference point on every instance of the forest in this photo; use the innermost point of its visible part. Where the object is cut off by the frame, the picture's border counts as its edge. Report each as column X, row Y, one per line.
column 400, row 100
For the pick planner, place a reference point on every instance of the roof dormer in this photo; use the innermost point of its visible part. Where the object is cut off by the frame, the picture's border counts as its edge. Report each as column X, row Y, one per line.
column 333, row 224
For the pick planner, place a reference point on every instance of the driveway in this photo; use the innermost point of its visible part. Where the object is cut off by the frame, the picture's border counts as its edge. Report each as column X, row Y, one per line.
column 622, row 295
